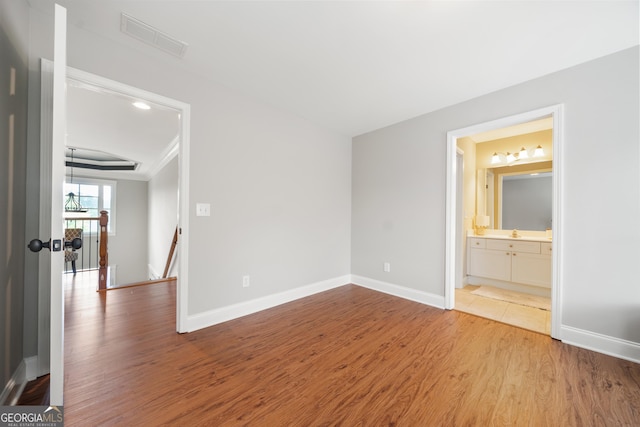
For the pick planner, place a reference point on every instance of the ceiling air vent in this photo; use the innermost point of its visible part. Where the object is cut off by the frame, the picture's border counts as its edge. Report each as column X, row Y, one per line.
column 148, row 34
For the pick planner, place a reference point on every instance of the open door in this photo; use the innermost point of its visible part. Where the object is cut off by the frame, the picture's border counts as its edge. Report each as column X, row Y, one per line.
column 51, row 295
column 57, row 183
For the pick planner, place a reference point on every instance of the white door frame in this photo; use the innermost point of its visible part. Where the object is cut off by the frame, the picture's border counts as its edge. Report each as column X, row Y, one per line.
column 182, row 148
column 556, row 112
column 46, row 357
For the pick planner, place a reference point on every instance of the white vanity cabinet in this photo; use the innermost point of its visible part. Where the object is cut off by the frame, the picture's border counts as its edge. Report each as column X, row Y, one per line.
column 519, row 261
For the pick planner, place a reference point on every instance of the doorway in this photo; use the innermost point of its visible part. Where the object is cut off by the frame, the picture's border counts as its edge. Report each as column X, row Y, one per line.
column 182, row 149
column 453, row 240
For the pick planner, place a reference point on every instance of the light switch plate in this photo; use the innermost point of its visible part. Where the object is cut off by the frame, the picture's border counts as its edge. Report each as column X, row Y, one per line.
column 203, row 209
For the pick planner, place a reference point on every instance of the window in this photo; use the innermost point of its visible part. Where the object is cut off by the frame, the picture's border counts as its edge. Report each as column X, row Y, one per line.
column 94, row 195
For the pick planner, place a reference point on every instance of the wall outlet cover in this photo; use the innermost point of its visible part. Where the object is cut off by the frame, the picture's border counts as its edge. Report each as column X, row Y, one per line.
column 203, row 209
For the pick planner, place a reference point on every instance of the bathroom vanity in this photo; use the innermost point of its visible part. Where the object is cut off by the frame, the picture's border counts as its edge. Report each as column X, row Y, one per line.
column 522, row 260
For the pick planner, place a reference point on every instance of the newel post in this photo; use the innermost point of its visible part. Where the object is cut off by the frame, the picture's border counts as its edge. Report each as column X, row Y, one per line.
column 104, row 235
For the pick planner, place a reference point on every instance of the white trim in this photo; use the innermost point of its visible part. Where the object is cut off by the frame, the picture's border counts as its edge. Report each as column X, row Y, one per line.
column 182, row 294
column 556, row 111
column 183, row 175
column 14, row 387
column 153, row 274
column 224, row 314
column 100, row 183
column 44, row 225
column 26, row 371
column 557, row 220
column 399, row 291
column 31, row 367
column 168, row 154
column 604, row 344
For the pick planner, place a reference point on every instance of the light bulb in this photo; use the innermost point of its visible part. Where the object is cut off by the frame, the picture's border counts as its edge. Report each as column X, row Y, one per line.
column 523, row 154
column 539, row 152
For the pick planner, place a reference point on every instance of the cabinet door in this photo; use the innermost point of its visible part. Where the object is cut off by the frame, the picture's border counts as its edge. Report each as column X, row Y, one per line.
column 489, row 263
column 531, row 269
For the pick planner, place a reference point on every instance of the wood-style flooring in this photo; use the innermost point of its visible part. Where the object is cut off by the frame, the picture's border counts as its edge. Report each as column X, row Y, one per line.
column 35, row 393
column 349, row 356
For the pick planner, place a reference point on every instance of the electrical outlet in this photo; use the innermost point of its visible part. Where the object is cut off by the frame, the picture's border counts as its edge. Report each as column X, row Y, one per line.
column 387, row 267
column 246, row 281
column 203, row 209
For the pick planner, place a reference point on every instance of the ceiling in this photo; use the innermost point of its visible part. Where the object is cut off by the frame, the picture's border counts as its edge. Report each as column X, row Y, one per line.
column 357, row 66
column 106, row 130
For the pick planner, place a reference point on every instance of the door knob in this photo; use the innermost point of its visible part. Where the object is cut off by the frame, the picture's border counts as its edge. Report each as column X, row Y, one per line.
column 36, row 245
column 73, row 244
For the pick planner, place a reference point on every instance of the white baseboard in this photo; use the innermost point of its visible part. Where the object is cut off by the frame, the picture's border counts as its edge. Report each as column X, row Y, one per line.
column 223, row 314
column 15, row 385
column 399, row 291
column 611, row 346
column 31, row 367
column 616, row 347
column 153, row 274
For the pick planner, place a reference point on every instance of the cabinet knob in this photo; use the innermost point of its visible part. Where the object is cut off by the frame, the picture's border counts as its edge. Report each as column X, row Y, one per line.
column 508, row 253
column 510, row 246
column 514, row 254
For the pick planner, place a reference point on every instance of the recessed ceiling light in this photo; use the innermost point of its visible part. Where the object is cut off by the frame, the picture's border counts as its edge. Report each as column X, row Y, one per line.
column 141, row 105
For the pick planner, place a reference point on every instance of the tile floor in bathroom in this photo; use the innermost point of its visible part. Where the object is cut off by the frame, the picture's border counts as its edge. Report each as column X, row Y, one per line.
column 533, row 319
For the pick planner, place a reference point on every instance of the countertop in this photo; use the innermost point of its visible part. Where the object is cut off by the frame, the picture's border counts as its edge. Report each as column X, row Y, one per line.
column 508, row 237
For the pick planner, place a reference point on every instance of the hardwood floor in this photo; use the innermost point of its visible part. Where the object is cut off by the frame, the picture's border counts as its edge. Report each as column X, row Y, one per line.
column 349, row 356
column 35, row 393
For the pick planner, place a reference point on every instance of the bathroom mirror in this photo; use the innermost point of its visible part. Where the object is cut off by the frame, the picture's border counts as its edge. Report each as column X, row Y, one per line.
column 517, row 199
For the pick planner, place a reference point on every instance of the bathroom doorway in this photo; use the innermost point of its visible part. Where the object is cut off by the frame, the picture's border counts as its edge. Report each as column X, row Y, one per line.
column 490, row 162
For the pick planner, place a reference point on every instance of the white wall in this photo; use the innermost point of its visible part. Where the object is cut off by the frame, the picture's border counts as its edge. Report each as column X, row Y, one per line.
column 128, row 247
column 399, row 193
column 279, row 185
column 163, row 218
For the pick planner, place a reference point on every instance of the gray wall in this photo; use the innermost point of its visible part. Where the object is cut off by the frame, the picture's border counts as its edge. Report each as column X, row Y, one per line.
column 399, row 191
column 13, row 54
column 279, row 185
column 163, row 218
column 527, row 203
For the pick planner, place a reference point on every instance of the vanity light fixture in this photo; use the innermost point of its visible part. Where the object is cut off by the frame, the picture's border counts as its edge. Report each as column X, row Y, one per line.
column 508, row 158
